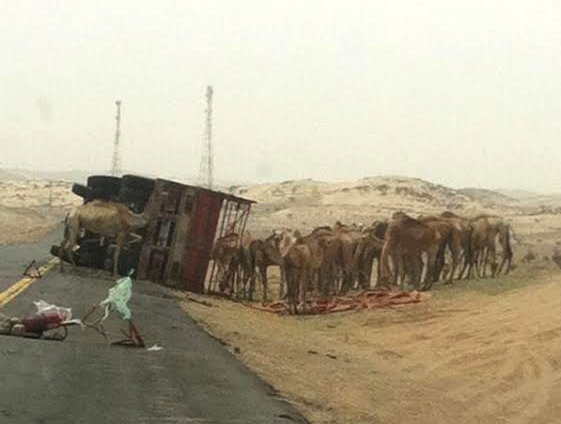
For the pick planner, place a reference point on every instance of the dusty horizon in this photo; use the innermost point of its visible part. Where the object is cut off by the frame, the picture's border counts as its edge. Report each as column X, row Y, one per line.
column 461, row 94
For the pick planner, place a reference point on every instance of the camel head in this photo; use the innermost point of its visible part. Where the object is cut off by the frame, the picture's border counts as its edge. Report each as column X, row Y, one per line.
column 285, row 240
column 399, row 215
column 157, row 199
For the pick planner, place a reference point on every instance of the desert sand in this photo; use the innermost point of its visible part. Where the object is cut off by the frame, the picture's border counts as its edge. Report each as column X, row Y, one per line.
column 479, row 351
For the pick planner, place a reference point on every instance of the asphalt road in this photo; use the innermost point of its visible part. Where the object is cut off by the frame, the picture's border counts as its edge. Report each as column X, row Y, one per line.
column 194, row 379
column 14, row 259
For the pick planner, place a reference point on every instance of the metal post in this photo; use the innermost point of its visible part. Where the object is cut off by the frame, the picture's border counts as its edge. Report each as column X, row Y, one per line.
column 116, row 164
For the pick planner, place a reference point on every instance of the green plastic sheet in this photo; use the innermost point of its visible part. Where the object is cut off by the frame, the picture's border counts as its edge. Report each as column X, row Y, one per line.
column 119, row 296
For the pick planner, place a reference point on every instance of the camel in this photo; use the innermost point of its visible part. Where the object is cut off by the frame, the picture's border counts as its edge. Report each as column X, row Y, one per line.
column 297, row 260
column 369, row 248
column 451, row 237
column 107, row 219
column 466, row 232
column 501, row 230
column 349, row 237
column 226, row 254
column 483, row 246
column 405, row 240
column 263, row 253
column 324, row 246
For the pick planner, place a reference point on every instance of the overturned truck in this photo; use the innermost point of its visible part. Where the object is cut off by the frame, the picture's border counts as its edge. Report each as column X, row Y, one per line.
column 177, row 243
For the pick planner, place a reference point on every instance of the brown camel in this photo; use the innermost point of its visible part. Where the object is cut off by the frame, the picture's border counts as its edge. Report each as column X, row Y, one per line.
column 466, row 232
column 483, row 246
column 225, row 255
column 263, row 254
column 369, row 249
column 349, row 239
column 501, row 231
column 451, row 238
column 324, row 246
column 107, row 219
column 297, row 261
column 406, row 239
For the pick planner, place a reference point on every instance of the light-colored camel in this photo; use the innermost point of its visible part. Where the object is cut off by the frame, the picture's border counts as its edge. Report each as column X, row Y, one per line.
column 501, row 231
column 297, row 261
column 107, row 219
column 323, row 244
column 406, row 239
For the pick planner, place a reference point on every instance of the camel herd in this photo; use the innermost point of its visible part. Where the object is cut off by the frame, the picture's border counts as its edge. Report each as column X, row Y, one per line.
column 330, row 261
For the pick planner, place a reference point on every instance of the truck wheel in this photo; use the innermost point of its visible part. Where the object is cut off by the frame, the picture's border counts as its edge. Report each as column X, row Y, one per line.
column 136, row 200
column 138, row 183
column 82, row 191
column 104, row 184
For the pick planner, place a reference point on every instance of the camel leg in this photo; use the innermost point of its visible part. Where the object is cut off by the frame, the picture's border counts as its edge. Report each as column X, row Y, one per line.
column 303, row 277
column 385, row 274
column 493, row 264
column 264, row 282
column 455, row 259
column 120, row 239
column 61, row 253
column 431, row 261
column 416, row 271
column 367, row 273
column 484, row 263
column 465, row 266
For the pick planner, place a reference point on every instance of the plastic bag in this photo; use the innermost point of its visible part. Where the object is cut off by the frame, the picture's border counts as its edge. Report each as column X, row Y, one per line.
column 119, row 296
column 43, row 307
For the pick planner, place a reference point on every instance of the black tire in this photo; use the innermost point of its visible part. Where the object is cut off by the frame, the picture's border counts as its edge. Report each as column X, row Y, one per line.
column 82, row 191
column 105, row 185
column 136, row 200
column 128, row 259
column 88, row 193
column 138, row 183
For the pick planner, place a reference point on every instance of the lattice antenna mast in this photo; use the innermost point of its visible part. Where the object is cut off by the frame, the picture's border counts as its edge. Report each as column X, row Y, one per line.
column 206, row 169
column 116, row 164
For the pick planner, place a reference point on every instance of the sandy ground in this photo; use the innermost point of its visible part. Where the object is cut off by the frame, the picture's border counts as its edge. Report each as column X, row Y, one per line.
column 30, row 209
column 472, row 353
column 483, row 351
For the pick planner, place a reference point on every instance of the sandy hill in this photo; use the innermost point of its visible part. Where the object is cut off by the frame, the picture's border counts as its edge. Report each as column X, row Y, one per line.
column 307, row 203
column 6, row 175
column 405, row 193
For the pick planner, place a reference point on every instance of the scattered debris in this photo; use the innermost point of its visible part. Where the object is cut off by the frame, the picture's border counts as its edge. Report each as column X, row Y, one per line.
column 118, row 298
column 201, row 302
column 32, row 271
column 42, row 324
column 154, row 348
column 364, row 300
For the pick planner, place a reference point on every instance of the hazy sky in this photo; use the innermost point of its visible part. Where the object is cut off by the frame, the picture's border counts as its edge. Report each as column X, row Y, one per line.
column 464, row 93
